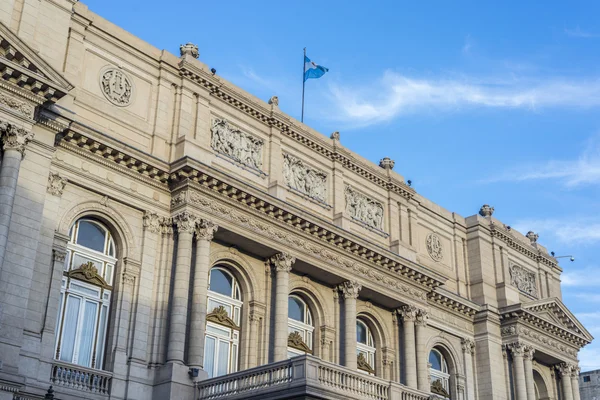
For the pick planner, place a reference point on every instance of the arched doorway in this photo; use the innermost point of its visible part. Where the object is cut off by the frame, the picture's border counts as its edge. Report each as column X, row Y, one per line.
column 541, row 390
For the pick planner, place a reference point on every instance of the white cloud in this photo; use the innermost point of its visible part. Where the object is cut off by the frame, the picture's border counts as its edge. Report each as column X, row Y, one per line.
column 566, row 230
column 579, row 33
column 584, row 170
column 396, row 94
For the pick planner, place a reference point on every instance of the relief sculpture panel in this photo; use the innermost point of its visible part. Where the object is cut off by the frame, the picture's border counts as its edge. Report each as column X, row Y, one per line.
column 364, row 209
column 304, row 179
column 237, row 145
column 523, row 279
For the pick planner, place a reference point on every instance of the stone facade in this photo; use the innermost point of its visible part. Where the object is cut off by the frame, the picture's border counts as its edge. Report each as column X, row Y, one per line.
column 589, row 385
column 187, row 178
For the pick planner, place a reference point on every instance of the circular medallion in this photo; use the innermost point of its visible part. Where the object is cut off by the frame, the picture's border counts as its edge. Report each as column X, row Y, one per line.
column 434, row 246
column 116, row 86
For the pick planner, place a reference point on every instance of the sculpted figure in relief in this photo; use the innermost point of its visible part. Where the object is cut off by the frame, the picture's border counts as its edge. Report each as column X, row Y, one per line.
column 304, row 179
column 364, row 209
column 523, row 280
column 240, row 146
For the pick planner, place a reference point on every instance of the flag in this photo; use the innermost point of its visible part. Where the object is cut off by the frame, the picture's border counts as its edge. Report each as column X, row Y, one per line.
column 312, row 70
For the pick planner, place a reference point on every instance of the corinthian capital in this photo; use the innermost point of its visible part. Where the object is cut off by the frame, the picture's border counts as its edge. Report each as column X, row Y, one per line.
column 350, row 289
column 564, row 369
column 422, row 317
column 185, row 222
column 14, row 138
column 468, row 345
column 166, row 225
column 283, row 262
column 152, row 221
column 528, row 352
column 205, row 229
column 56, row 184
column 408, row 313
column 517, row 349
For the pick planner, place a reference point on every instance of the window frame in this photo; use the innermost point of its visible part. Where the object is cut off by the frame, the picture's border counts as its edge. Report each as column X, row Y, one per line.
column 442, row 375
column 369, row 349
column 306, row 330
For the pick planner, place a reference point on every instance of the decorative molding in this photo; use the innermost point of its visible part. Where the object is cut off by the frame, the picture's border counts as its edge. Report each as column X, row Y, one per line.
column 189, row 49
column 154, row 222
column 523, row 279
column 408, row 313
column 422, row 318
column 237, row 145
column 59, row 255
column 185, row 222
column 453, row 302
column 20, row 107
column 283, row 262
column 219, row 316
column 56, row 184
column 350, row 289
column 529, row 352
column 362, row 363
column 14, row 138
column 205, row 230
column 468, row 345
column 304, row 179
column 364, row 209
column 116, row 86
column 88, row 272
column 434, row 246
column 565, row 369
column 295, row 341
column 536, row 255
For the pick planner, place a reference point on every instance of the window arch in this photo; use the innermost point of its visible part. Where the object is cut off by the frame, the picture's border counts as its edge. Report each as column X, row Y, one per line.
column 224, row 307
column 85, row 294
column 300, row 327
column 365, row 347
column 440, row 374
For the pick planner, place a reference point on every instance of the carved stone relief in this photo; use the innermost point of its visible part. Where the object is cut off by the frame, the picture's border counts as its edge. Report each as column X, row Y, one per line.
column 56, row 184
column 18, row 106
column 434, row 247
column 364, row 209
column 116, row 86
column 304, row 179
column 240, row 146
column 523, row 279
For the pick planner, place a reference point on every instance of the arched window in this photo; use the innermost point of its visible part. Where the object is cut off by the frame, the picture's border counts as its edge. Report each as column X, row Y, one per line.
column 440, row 374
column 365, row 348
column 222, row 323
column 85, row 294
column 300, row 327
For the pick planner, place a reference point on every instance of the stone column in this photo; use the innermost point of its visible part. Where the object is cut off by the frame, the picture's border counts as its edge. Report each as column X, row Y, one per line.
column 409, row 315
column 186, row 224
column 205, row 231
column 282, row 263
column 350, row 291
column 575, row 382
column 565, row 370
column 253, row 320
column 468, row 347
column 13, row 140
column 528, row 365
column 518, row 351
column 422, row 358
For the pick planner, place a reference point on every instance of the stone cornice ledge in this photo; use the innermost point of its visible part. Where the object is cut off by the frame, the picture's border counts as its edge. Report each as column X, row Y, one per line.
column 242, row 193
column 453, row 301
column 534, row 254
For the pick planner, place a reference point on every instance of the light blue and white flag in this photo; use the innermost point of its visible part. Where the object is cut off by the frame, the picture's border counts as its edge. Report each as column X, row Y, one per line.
column 312, row 70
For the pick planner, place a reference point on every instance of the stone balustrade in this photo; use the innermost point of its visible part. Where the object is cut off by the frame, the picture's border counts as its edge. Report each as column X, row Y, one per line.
column 303, row 375
column 81, row 378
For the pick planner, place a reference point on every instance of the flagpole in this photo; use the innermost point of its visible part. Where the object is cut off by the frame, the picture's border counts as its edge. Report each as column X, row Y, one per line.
column 303, row 83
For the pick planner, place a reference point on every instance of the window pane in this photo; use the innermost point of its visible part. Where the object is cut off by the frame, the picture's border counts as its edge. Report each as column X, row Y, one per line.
column 84, row 290
column 88, row 330
column 361, row 333
column 220, row 282
column 91, row 236
column 101, row 338
column 295, row 309
column 435, row 360
column 209, row 356
column 223, row 362
column 70, row 328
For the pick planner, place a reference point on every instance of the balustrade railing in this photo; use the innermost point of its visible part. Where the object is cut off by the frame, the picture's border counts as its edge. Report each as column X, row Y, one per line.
column 80, row 378
column 308, row 372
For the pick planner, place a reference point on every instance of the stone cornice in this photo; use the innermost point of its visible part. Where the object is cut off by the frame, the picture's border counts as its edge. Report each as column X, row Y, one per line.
column 321, row 229
column 539, row 339
column 452, row 301
column 532, row 253
column 293, row 130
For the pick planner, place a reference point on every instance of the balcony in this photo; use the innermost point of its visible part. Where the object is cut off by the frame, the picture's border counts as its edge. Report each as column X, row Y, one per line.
column 80, row 378
column 303, row 377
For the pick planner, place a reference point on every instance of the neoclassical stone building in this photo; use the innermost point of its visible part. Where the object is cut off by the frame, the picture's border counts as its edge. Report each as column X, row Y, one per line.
column 166, row 235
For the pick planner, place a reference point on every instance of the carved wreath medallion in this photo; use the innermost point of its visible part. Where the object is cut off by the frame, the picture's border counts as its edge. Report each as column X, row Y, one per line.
column 116, row 86
column 434, row 246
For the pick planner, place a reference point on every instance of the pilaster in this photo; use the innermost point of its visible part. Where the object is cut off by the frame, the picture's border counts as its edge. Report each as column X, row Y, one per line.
column 350, row 290
column 282, row 264
column 422, row 370
column 409, row 317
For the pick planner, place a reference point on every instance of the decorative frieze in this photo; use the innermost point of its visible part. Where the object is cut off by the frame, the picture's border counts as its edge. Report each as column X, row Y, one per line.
column 523, row 279
column 14, row 138
column 304, row 179
column 237, row 145
column 20, row 107
column 116, row 86
column 434, row 246
column 56, row 184
column 364, row 209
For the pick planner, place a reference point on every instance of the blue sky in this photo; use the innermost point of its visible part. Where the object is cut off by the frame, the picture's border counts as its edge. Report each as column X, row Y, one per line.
column 477, row 104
